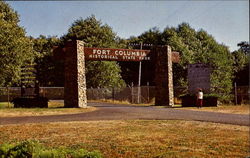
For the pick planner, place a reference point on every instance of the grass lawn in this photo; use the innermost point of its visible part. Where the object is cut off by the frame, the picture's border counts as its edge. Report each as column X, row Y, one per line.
column 55, row 108
column 138, row 138
column 232, row 109
column 119, row 102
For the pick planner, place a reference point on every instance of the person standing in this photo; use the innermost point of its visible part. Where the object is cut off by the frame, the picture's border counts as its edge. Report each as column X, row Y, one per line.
column 199, row 98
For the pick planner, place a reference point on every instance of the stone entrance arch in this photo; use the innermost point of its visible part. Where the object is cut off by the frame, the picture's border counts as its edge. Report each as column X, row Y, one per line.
column 75, row 55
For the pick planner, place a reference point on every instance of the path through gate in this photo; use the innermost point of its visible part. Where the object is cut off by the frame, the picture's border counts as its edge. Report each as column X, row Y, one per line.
column 75, row 55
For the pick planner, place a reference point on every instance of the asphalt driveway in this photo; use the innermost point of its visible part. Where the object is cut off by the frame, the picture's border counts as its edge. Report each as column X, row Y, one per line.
column 107, row 111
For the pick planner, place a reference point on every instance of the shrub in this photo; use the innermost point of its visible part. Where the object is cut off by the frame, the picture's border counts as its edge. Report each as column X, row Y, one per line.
column 40, row 102
column 50, row 153
column 190, row 100
column 21, row 150
column 32, row 149
column 4, row 150
column 81, row 153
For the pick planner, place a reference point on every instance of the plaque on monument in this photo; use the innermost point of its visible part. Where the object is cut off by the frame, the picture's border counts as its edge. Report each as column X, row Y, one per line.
column 198, row 77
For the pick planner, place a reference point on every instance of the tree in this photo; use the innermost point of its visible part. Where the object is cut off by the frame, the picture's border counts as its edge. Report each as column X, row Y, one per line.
column 240, row 60
column 196, row 47
column 130, row 70
column 241, row 64
column 15, row 47
column 201, row 47
column 50, row 72
column 95, row 34
column 244, row 47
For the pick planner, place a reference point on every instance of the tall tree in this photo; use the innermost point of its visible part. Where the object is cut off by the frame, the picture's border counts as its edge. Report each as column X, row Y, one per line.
column 50, row 72
column 200, row 47
column 15, row 47
column 196, row 47
column 95, row 34
column 241, row 59
column 244, row 47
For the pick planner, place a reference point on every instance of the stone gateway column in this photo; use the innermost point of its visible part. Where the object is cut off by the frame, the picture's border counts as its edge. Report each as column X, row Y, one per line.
column 74, row 79
column 163, row 76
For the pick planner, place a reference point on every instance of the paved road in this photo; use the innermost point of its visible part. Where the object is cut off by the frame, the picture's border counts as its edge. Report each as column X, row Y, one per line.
column 108, row 111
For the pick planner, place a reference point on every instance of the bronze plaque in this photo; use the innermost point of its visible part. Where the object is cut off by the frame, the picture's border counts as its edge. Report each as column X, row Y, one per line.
column 116, row 54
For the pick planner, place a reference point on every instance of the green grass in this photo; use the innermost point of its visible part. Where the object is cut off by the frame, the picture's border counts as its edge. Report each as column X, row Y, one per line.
column 35, row 150
column 6, row 105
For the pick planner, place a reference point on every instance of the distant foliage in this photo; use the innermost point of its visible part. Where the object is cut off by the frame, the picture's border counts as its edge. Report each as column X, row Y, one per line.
column 92, row 32
column 195, row 47
column 50, row 72
column 244, row 47
column 15, row 47
column 95, row 34
column 32, row 149
column 241, row 58
column 108, row 75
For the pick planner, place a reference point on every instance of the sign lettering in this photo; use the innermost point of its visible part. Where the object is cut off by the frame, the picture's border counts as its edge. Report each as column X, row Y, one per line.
column 116, row 54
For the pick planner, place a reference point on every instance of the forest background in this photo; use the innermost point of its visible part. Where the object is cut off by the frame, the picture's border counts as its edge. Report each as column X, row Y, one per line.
column 194, row 46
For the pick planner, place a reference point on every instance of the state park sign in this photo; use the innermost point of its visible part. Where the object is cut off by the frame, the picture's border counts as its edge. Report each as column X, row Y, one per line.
column 121, row 54
column 116, row 54
column 74, row 54
column 111, row 54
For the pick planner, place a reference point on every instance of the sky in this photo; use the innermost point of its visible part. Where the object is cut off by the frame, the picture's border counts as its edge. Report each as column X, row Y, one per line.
column 226, row 20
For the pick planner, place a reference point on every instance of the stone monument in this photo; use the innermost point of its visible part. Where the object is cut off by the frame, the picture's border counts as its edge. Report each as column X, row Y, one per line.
column 198, row 77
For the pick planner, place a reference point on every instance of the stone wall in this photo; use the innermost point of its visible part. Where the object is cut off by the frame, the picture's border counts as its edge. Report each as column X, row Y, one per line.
column 163, row 76
column 74, row 69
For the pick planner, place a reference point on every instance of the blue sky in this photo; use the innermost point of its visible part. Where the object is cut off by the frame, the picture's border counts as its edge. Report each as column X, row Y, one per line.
column 226, row 21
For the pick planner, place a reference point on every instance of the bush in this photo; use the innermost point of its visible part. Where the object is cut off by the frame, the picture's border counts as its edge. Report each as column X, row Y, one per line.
column 40, row 102
column 51, row 153
column 190, row 100
column 32, row 149
column 21, row 150
column 81, row 153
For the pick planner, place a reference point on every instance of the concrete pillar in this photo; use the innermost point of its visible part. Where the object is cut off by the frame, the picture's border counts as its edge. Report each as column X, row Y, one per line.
column 163, row 76
column 75, row 80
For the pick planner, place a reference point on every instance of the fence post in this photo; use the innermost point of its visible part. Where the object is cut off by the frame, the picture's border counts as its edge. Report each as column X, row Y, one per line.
column 132, row 92
column 113, row 94
column 8, row 94
column 235, row 92
column 148, row 90
column 92, row 90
